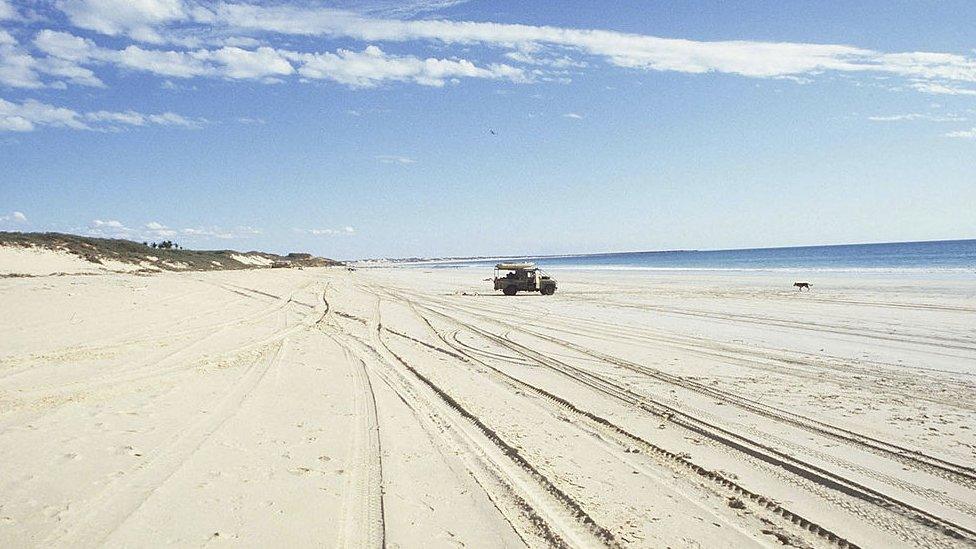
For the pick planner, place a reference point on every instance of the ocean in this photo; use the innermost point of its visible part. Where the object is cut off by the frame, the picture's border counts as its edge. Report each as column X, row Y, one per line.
column 945, row 256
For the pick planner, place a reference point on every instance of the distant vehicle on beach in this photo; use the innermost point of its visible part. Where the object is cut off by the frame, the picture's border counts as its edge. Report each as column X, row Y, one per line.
column 523, row 277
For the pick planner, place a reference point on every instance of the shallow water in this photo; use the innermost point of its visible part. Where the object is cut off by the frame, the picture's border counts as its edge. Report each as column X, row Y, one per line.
column 950, row 256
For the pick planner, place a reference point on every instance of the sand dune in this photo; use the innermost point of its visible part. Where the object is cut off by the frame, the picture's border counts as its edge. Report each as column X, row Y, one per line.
column 40, row 262
column 386, row 407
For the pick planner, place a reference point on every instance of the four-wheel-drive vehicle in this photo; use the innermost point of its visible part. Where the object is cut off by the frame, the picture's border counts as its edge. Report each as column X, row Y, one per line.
column 522, row 277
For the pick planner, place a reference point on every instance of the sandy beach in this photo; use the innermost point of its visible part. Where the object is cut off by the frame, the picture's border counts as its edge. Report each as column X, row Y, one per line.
column 414, row 407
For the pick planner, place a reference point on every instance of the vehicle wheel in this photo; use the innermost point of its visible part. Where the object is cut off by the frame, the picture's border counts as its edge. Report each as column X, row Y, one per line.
column 510, row 290
column 549, row 290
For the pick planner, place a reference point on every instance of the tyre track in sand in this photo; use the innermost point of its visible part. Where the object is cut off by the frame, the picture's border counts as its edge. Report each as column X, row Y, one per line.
column 775, row 361
column 955, row 472
column 166, row 365
column 766, row 359
column 160, row 332
column 940, row 342
column 539, row 511
column 958, row 473
column 809, row 474
column 772, row 456
column 113, row 505
column 363, row 522
column 208, row 331
column 770, row 511
column 519, row 514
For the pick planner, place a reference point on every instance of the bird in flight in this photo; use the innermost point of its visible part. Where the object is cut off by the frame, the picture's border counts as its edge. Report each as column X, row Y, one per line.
column 492, row 132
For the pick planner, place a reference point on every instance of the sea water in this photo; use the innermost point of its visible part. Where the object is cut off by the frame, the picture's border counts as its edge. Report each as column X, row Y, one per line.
column 947, row 256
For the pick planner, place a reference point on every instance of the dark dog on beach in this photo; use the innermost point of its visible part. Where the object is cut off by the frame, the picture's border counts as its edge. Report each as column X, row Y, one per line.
column 801, row 285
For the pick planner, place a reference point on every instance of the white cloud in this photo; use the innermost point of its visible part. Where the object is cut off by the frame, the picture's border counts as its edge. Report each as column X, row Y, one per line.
column 536, row 53
column 111, row 224
column 20, row 69
column 16, row 71
column 29, row 115
column 343, row 231
column 917, row 116
column 128, row 117
column 64, row 45
column 963, row 134
column 228, row 62
column 543, row 47
column 109, row 228
column 557, row 62
column 15, row 217
column 741, row 57
column 240, row 63
column 220, row 233
column 153, row 230
column 17, row 67
column 138, row 19
column 941, row 89
column 372, row 66
column 169, row 63
column 573, row 115
column 7, row 11
column 246, row 230
column 173, row 119
column 394, row 159
column 406, row 8
column 69, row 70
column 132, row 118
column 176, row 64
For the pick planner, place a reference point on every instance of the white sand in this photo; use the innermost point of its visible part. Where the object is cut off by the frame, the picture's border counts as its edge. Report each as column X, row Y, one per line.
column 33, row 261
column 39, row 262
column 254, row 260
column 321, row 407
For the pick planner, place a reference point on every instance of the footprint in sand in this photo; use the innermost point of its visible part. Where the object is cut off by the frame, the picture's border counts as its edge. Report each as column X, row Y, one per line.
column 305, row 471
column 127, row 450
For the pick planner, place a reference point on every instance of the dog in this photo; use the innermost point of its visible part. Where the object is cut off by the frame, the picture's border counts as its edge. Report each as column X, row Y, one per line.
column 801, row 285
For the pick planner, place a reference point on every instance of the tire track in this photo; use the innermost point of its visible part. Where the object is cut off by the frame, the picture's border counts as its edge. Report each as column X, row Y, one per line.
column 532, row 528
column 364, row 522
column 862, row 332
column 208, row 331
column 670, row 460
column 151, row 369
column 765, row 361
column 552, row 514
column 122, row 497
column 954, row 472
column 958, row 473
column 764, row 453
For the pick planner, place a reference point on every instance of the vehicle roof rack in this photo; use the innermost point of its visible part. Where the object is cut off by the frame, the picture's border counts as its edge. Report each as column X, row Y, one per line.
column 514, row 266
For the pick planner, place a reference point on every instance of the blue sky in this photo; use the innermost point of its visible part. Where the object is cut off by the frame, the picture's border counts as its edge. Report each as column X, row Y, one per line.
column 361, row 128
